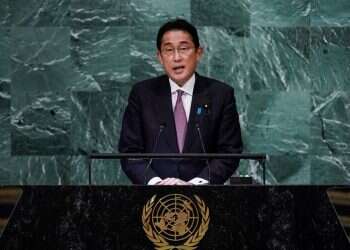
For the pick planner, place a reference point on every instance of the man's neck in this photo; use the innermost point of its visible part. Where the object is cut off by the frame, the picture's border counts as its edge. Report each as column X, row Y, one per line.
column 181, row 84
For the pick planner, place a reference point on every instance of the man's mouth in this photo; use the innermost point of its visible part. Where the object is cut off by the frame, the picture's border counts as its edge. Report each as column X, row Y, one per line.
column 178, row 69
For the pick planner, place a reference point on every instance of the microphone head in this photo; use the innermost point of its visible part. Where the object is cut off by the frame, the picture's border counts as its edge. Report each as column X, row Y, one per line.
column 162, row 125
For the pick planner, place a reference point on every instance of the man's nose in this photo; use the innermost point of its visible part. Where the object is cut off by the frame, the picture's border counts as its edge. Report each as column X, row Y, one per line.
column 177, row 55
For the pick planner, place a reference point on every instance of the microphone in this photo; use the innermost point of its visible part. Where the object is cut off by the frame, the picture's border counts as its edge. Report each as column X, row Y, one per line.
column 88, row 160
column 155, row 146
column 203, row 148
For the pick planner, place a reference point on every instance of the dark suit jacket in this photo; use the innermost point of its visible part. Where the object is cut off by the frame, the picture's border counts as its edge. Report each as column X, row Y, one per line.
column 150, row 105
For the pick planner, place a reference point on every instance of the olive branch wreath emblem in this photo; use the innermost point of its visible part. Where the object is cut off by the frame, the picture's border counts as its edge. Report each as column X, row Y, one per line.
column 160, row 243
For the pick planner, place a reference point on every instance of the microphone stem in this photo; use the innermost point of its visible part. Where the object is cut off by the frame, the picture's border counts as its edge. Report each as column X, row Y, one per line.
column 161, row 127
column 203, row 149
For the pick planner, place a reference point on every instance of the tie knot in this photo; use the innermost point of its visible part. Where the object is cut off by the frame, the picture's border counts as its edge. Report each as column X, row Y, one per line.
column 179, row 92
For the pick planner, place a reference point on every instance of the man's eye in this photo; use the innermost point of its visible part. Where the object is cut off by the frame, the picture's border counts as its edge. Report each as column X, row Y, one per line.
column 183, row 48
column 168, row 49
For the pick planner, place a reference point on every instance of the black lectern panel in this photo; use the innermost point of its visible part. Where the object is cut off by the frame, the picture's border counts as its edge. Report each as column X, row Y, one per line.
column 141, row 217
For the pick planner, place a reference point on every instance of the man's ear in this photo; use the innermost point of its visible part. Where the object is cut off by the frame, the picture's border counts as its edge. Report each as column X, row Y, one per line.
column 159, row 56
column 199, row 52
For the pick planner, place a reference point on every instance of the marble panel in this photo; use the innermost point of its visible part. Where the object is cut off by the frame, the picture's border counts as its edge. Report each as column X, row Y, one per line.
column 277, row 13
column 96, row 120
column 278, row 123
column 330, row 59
column 5, row 119
column 41, row 61
column 330, row 123
column 5, row 13
column 144, row 62
column 103, row 54
column 330, row 170
column 108, row 172
column 88, row 13
column 225, row 55
column 294, row 169
column 96, row 125
column 287, row 169
column 43, row 170
column 41, row 80
column 5, row 95
column 227, row 13
column 157, row 12
column 5, row 68
column 42, row 13
column 330, row 13
column 40, row 124
column 279, row 59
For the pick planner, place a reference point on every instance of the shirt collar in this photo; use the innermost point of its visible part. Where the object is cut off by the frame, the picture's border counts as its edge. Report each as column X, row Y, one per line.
column 187, row 87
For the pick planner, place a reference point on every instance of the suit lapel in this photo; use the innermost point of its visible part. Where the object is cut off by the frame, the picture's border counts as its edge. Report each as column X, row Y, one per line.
column 166, row 116
column 200, row 96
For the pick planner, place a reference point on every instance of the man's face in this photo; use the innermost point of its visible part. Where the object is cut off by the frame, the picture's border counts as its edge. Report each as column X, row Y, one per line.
column 178, row 55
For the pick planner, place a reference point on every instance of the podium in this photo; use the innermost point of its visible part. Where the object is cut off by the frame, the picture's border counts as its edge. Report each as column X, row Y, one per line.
column 231, row 217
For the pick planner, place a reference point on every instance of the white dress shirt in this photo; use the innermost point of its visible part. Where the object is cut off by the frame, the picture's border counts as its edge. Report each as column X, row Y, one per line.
column 187, row 95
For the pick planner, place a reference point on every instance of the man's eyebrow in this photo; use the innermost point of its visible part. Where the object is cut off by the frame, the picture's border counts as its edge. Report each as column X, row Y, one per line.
column 167, row 44
column 181, row 43
column 185, row 42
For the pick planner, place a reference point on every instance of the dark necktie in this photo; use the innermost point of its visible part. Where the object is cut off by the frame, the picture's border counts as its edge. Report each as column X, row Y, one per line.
column 180, row 121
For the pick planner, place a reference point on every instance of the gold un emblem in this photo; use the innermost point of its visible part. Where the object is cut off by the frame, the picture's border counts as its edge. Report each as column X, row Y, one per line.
column 175, row 221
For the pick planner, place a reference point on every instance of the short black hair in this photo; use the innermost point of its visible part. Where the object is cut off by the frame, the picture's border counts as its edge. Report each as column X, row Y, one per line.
column 178, row 24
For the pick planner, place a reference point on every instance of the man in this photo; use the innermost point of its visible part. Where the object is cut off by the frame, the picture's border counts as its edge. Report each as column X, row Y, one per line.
column 180, row 112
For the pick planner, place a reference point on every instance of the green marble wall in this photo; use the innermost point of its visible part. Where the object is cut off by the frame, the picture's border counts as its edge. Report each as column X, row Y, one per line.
column 66, row 68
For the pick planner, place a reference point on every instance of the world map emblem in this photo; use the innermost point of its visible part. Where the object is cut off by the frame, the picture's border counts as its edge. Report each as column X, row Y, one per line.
column 175, row 221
